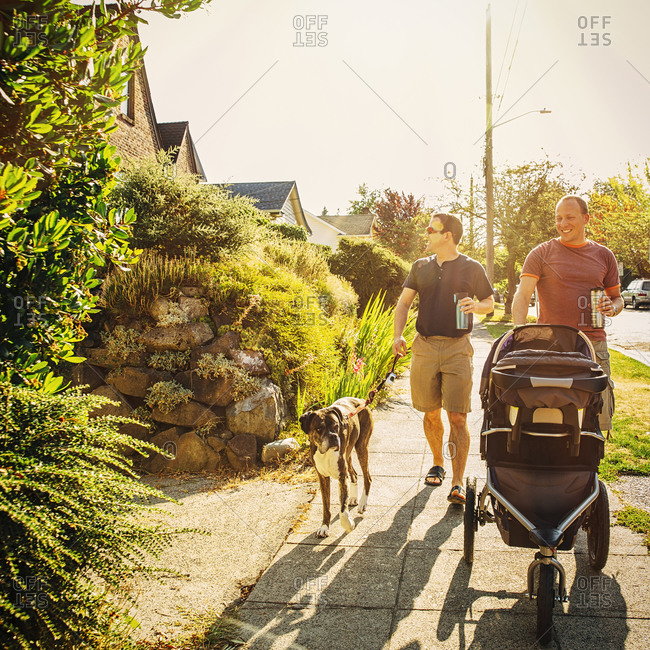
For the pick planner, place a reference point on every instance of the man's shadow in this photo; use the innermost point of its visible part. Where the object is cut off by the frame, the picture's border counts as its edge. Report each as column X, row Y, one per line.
column 316, row 608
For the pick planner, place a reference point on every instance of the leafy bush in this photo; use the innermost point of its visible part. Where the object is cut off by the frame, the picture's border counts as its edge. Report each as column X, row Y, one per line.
column 370, row 268
column 335, row 294
column 289, row 231
column 59, row 92
column 177, row 213
column 133, row 292
column 366, row 352
column 286, row 323
column 71, row 513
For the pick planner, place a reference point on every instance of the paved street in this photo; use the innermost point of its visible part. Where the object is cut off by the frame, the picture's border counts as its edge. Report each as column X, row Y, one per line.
column 630, row 332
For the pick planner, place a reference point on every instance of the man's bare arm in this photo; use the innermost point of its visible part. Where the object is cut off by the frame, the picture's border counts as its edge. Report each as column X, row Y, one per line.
column 521, row 300
column 401, row 316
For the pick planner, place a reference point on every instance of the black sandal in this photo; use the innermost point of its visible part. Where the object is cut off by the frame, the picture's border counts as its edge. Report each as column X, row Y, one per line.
column 457, row 495
column 435, row 472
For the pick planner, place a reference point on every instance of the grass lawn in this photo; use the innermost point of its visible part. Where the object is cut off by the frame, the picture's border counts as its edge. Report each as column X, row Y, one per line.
column 499, row 323
column 628, row 450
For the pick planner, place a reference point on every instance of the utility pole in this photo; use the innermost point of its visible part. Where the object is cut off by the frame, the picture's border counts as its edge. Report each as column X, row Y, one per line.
column 472, row 243
column 489, row 190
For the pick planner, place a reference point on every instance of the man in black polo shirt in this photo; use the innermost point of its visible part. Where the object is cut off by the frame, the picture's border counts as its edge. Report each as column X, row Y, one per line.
column 441, row 367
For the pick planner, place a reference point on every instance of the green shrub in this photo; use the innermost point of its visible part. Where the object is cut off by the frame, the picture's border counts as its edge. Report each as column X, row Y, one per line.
column 177, row 213
column 133, row 292
column 71, row 513
column 280, row 315
column 370, row 268
column 307, row 261
column 289, row 231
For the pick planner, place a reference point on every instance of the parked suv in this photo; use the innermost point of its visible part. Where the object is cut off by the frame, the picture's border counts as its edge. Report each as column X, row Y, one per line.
column 637, row 293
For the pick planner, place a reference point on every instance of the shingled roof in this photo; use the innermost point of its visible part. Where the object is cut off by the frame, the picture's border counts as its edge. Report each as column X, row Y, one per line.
column 350, row 224
column 271, row 196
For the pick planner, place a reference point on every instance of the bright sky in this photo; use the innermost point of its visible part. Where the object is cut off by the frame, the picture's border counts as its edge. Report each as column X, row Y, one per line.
column 398, row 89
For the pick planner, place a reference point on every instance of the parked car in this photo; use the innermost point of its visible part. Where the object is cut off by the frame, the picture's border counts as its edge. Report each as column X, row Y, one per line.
column 637, row 293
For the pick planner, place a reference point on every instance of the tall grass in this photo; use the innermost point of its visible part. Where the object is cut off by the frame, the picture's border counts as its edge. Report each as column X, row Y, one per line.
column 368, row 354
column 133, row 291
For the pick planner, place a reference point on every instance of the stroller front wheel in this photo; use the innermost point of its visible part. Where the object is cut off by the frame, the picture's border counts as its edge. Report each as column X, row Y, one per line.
column 470, row 519
column 598, row 530
column 545, row 602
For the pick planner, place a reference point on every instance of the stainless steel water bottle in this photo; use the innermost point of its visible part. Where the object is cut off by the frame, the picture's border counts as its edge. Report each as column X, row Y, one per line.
column 462, row 319
column 597, row 318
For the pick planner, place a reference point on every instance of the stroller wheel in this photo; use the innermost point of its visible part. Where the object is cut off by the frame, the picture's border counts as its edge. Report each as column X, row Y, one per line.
column 545, row 602
column 470, row 519
column 598, row 530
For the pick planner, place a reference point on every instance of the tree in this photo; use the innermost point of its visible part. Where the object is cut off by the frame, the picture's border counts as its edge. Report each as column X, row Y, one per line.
column 178, row 213
column 63, row 70
column 620, row 218
column 400, row 223
column 366, row 203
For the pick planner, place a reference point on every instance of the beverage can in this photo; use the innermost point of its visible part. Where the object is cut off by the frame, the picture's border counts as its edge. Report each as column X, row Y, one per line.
column 462, row 319
column 597, row 318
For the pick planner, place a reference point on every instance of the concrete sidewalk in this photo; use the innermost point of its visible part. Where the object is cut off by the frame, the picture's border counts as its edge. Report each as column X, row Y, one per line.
column 399, row 581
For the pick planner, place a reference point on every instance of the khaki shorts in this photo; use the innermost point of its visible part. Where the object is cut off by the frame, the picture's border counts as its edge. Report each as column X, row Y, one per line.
column 441, row 373
column 602, row 356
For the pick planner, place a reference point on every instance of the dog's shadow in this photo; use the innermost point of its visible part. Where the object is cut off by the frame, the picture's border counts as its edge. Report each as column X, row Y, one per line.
column 305, row 594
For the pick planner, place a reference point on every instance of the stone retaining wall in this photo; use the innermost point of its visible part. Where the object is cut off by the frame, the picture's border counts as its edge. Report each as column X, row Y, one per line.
column 211, row 428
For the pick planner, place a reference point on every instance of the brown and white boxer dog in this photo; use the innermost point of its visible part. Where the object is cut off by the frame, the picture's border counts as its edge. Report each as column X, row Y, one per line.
column 332, row 436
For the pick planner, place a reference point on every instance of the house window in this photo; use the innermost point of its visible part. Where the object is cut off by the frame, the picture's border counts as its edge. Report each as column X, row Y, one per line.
column 127, row 107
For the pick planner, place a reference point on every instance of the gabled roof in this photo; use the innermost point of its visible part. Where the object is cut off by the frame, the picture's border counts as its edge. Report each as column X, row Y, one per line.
column 271, row 196
column 172, row 135
column 350, row 224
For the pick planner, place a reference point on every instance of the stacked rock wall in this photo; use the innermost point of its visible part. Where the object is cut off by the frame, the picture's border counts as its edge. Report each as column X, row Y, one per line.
column 210, row 429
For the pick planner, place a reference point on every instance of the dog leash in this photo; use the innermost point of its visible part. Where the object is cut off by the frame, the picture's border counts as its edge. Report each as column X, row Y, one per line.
column 386, row 381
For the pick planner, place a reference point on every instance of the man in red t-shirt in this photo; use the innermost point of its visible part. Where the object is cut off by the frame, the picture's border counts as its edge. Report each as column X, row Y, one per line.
column 564, row 270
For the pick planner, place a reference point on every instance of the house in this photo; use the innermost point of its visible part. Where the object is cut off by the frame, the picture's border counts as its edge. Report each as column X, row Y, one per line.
column 140, row 134
column 279, row 199
column 328, row 228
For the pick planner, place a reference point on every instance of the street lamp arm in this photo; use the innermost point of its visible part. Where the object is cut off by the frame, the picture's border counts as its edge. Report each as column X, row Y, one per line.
column 543, row 111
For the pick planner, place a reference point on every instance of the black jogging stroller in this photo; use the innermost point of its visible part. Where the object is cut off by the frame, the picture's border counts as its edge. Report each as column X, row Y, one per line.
column 541, row 396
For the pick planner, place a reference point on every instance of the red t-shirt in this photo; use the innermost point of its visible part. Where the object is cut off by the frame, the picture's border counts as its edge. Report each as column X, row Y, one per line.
column 565, row 276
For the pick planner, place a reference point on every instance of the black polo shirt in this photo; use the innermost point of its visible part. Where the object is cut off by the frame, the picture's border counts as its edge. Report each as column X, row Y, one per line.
column 436, row 287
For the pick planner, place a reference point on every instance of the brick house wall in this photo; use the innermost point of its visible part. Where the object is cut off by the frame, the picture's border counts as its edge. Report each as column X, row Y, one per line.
column 137, row 136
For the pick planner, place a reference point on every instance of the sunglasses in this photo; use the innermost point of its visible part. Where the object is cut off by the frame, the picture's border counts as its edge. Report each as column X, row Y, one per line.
column 440, row 229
